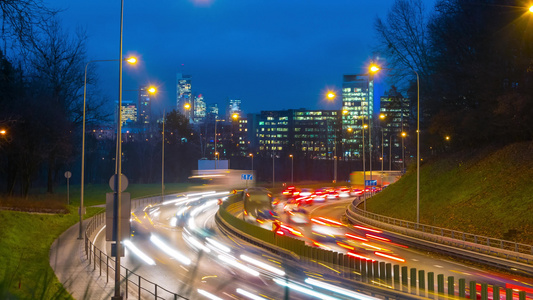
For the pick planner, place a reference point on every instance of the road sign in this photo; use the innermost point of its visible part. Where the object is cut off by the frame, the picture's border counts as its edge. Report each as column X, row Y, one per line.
column 68, row 174
column 247, row 177
column 371, row 182
column 123, row 182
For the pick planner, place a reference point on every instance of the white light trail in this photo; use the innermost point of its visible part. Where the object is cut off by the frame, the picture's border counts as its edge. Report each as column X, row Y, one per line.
column 178, row 256
column 306, row 291
column 138, row 252
column 233, row 262
column 174, row 201
column 339, row 290
column 218, row 245
column 195, row 242
column 263, row 265
column 209, row 295
column 249, row 295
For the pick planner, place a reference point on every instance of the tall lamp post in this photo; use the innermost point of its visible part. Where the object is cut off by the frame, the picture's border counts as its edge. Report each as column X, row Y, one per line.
column 403, row 152
column 382, row 117
column 252, row 156
column 363, row 126
column 292, row 169
column 131, row 60
column 374, row 69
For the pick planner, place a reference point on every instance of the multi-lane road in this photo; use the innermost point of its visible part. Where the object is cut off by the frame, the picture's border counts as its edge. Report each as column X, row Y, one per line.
column 178, row 245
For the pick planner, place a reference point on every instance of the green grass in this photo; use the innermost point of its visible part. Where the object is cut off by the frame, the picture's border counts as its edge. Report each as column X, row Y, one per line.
column 26, row 238
column 487, row 192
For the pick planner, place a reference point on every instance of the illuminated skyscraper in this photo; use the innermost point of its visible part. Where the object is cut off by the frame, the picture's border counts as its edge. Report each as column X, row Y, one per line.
column 183, row 91
column 199, row 109
column 144, row 109
column 357, row 101
column 234, row 106
column 129, row 112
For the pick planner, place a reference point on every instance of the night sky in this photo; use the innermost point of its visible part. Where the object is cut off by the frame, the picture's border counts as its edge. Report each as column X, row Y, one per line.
column 275, row 54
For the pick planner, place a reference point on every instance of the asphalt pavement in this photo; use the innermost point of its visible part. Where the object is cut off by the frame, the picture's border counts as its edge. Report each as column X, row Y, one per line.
column 71, row 266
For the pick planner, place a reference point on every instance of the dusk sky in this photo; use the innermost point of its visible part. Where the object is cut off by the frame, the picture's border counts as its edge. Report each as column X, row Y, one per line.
column 273, row 55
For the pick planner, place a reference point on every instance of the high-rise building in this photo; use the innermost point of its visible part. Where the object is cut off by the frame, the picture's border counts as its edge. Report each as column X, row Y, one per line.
column 199, row 109
column 396, row 110
column 183, row 91
column 128, row 112
column 144, row 110
column 357, row 103
column 234, row 106
column 306, row 133
column 212, row 111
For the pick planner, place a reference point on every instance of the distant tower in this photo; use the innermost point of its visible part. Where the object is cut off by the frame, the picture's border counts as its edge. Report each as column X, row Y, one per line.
column 183, row 91
column 199, row 109
column 234, row 106
column 144, row 109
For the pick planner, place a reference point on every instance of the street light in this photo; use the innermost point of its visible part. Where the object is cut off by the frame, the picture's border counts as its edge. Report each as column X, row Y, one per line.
column 131, row 60
column 375, row 68
column 292, row 169
column 363, row 126
column 382, row 117
column 252, row 156
column 403, row 152
column 215, row 148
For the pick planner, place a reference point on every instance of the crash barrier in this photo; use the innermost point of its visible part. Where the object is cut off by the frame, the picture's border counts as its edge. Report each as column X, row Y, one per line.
column 508, row 250
column 133, row 283
column 399, row 281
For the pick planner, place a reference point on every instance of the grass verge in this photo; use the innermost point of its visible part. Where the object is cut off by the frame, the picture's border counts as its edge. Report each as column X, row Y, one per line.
column 486, row 192
column 26, row 238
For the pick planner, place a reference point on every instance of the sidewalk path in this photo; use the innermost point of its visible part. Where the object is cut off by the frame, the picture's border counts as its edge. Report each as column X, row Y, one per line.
column 68, row 260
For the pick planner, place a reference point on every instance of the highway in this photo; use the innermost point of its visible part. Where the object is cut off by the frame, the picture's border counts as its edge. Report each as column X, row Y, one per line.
column 178, row 246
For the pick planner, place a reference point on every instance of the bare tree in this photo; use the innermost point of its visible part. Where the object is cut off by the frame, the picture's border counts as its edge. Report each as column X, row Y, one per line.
column 21, row 19
column 57, row 62
column 403, row 39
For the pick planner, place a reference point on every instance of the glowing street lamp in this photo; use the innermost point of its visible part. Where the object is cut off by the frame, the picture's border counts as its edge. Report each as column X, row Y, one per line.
column 131, row 60
column 375, row 68
column 331, row 95
column 3, row 132
column 292, row 168
column 252, row 156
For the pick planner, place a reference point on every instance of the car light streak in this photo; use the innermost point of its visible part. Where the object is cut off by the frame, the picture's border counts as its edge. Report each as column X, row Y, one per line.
column 262, row 265
column 195, row 242
column 208, row 295
column 368, row 229
column 356, row 237
column 321, row 246
column 179, row 199
column 331, row 221
column 345, row 246
column 338, row 290
column 370, row 246
column 175, row 254
column 389, row 256
column 353, row 254
column 318, row 222
column 139, row 253
column 249, row 295
column 202, row 193
column 377, row 237
column 218, row 245
column 304, row 290
column 233, row 262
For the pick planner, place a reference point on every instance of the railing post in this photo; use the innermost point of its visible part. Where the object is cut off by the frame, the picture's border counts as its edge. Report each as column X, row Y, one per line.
column 431, row 284
column 155, row 292
column 451, row 286
column 139, row 287
column 422, row 282
column 462, row 288
column 106, row 268
column 413, row 280
column 127, row 283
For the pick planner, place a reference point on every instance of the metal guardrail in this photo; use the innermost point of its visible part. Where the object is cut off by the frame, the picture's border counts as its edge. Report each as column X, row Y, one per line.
column 134, row 284
column 379, row 278
column 520, row 253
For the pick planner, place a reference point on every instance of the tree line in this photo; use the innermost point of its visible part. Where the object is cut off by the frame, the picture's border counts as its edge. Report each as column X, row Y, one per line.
column 475, row 64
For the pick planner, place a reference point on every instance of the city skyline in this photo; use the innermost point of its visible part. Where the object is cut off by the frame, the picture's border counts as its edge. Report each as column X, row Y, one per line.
column 277, row 56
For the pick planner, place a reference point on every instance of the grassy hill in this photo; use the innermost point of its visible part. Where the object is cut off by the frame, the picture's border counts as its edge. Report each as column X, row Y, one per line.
column 487, row 191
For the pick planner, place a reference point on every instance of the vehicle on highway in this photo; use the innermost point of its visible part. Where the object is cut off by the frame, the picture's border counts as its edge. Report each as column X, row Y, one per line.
column 255, row 201
column 355, row 192
column 327, row 230
column 320, row 195
column 331, row 193
column 343, row 192
column 306, row 192
column 266, row 218
column 298, row 216
column 290, row 192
